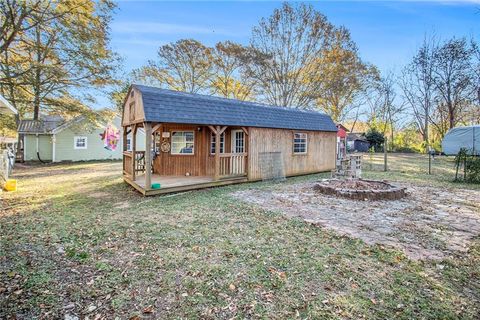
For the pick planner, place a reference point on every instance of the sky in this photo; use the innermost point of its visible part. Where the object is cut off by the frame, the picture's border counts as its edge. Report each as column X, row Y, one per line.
column 387, row 33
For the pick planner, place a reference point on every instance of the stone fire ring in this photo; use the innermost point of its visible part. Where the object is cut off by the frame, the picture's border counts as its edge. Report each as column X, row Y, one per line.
column 388, row 191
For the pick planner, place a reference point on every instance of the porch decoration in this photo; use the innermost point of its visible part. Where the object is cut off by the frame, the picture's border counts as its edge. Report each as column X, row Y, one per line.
column 110, row 137
column 165, row 147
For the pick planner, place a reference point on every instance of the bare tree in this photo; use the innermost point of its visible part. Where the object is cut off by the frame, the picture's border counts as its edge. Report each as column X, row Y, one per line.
column 454, row 77
column 390, row 107
column 292, row 37
column 185, row 65
column 418, row 86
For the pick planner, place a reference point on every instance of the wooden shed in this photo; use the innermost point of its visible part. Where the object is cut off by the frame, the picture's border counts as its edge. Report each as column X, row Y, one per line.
column 256, row 141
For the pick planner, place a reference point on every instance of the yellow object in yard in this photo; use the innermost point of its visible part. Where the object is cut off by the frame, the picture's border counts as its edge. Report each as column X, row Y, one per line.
column 11, row 185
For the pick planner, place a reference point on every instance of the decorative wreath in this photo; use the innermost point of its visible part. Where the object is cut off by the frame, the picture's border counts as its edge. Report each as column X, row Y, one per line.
column 165, row 147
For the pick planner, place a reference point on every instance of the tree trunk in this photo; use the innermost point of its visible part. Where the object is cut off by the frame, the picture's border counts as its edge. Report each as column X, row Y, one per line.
column 36, row 86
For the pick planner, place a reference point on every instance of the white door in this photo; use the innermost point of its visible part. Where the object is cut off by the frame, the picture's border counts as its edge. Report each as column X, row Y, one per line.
column 237, row 160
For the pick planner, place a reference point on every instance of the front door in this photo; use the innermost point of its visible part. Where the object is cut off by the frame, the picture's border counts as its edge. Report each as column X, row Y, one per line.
column 237, row 160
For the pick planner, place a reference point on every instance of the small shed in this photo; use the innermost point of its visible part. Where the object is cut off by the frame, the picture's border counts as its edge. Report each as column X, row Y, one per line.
column 357, row 142
column 198, row 141
column 462, row 137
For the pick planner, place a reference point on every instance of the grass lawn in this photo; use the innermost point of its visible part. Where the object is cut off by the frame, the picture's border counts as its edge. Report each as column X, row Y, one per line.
column 77, row 241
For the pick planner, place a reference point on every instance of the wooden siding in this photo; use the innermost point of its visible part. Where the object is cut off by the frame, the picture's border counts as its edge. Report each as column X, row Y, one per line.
column 197, row 164
column 133, row 108
column 201, row 163
column 320, row 154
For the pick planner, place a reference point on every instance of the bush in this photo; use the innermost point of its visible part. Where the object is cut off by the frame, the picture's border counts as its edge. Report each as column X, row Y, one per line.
column 470, row 164
column 473, row 169
column 376, row 139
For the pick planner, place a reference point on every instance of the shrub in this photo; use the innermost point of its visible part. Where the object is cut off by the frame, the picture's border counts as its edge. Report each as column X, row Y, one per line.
column 470, row 164
column 376, row 139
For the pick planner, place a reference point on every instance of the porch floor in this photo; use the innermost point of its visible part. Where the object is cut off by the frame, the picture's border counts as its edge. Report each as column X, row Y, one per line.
column 173, row 181
column 169, row 184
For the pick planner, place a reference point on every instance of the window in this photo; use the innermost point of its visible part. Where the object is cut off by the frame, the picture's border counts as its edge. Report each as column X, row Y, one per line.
column 238, row 141
column 213, row 137
column 299, row 143
column 80, row 142
column 129, row 144
column 182, row 142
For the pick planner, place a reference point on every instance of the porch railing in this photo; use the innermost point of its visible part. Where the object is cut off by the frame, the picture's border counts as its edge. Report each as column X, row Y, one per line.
column 139, row 163
column 233, row 164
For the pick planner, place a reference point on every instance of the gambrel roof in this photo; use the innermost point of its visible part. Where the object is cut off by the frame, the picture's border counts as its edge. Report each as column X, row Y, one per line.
column 167, row 106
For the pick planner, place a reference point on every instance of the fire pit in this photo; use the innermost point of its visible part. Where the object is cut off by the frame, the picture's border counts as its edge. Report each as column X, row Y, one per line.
column 360, row 189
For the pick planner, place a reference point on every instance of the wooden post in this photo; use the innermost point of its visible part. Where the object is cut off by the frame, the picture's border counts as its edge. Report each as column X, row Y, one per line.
column 429, row 162
column 134, row 149
column 385, row 165
column 217, row 153
column 148, row 155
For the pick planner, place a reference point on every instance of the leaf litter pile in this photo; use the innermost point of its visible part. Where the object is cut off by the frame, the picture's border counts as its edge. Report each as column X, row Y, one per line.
column 431, row 223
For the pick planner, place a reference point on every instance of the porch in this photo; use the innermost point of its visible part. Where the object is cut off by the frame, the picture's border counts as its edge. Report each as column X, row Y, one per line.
column 184, row 157
column 170, row 184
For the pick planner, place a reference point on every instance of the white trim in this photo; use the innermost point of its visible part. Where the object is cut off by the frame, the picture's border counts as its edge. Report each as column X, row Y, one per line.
column 128, row 147
column 6, row 106
column 171, row 143
column 24, row 147
column 75, row 138
column 54, row 140
column 212, row 135
column 67, row 124
column 38, row 151
column 306, row 143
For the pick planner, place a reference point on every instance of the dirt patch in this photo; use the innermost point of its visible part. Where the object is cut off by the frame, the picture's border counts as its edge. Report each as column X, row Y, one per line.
column 431, row 223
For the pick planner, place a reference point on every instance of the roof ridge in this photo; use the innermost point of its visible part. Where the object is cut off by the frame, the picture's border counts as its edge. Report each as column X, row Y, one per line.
column 211, row 97
column 170, row 106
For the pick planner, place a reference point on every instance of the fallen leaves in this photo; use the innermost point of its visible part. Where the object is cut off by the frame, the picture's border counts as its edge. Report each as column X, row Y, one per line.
column 18, row 292
column 279, row 274
column 148, row 309
column 197, row 258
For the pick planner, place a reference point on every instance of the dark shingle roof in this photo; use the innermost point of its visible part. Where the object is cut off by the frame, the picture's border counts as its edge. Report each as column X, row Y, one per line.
column 161, row 105
column 44, row 125
column 352, row 136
